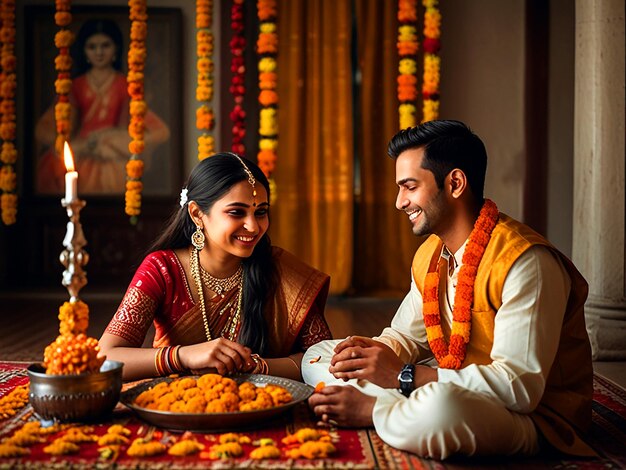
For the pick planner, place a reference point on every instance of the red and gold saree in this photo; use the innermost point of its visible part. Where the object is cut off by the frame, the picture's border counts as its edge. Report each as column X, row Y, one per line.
column 160, row 293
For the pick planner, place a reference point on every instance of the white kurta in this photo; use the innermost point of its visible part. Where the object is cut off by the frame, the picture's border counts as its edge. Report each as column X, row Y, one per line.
column 480, row 409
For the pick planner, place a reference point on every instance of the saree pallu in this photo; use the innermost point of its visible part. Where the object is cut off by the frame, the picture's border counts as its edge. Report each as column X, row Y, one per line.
column 160, row 293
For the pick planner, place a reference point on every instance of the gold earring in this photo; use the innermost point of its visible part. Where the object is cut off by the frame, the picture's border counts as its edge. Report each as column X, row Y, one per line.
column 197, row 238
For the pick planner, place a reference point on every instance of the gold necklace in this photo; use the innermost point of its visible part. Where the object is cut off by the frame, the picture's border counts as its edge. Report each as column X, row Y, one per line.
column 220, row 286
column 194, row 265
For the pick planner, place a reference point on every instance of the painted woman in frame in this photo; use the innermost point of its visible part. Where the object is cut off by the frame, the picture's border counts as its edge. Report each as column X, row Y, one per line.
column 100, row 116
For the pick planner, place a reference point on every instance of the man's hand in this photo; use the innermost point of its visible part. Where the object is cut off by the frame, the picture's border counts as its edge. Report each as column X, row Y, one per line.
column 343, row 406
column 359, row 357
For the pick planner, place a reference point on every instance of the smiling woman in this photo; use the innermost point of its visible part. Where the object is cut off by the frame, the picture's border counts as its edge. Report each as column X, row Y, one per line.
column 220, row 296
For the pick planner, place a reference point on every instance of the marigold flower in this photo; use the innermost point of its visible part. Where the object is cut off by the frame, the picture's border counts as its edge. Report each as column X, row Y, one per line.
column 267, row 27
column 204, row 118
column 62, row 18
column 407, row 47
column 8, row 154
column 268, row 97
column 407, row 33
column 135, row 90
column 63, row 87
column 7, row 131
column 268, row 144
column 138, row 107
column 62, row 62
column 136, row 147
column 63, row 38
column 7, row 34
column 205, row 65
column 8, row 62
column 8, row 179
column 138, row 31
column 204, row 93
column 407, row 66
column 267, row 64
column 134, row 168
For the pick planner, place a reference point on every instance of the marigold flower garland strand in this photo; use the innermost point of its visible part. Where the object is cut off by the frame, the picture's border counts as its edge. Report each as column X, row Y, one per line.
column 8, row 84
column 408, row 46
column 136, row 64
column 267, row 49
column 237, row 67
column 205, row 119
column 432, row 61
column 452, row 356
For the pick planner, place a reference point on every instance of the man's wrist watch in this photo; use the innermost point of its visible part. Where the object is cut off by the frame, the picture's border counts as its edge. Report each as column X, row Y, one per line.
column 405, row 378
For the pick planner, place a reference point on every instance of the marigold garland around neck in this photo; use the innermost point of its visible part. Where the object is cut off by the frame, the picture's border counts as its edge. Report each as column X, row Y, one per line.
column 8, row 84
column 408, row 46
column 432, row 61
column 136, row 64
column 452, row 356
column 205, row 118
column 267, row 50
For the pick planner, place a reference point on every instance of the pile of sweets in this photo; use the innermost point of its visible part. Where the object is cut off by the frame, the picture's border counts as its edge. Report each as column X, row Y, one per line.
column 211, row 393
column 73, row 352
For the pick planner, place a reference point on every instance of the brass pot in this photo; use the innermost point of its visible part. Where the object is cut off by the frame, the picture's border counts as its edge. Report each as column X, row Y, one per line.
column 78, row 397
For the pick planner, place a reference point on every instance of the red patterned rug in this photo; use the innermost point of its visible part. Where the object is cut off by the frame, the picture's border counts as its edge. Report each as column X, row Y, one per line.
column 358, row 449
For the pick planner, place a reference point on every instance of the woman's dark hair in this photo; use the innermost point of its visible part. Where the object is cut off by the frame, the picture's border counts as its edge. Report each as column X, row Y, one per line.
column 88, row 29
column 447, row 145
column 208, row 182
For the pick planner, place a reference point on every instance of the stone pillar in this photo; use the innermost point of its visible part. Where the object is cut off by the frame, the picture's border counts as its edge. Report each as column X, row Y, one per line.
column 599, row 172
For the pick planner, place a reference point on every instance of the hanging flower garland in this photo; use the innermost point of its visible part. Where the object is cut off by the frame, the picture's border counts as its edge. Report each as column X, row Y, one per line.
column 432, row 61
column 452, row 356
column 407, row 52
column 205, row 119
column 136, row 64
column 237, row 67
column 8, row 84
column 267, row 48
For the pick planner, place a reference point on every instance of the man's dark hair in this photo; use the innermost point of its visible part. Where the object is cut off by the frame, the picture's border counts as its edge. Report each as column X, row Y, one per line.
column 447, row 145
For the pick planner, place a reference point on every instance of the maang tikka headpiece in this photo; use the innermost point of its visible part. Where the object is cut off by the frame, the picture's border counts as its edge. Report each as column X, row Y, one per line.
column 251, row 178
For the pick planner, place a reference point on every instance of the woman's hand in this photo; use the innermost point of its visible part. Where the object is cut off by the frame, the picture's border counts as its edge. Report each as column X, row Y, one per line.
column 220, row 354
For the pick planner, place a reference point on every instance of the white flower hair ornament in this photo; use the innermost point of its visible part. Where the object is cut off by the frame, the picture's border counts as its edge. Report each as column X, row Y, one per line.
column 183, row 197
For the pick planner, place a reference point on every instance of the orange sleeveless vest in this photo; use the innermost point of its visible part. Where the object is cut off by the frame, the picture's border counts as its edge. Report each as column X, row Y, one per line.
column 565, row 408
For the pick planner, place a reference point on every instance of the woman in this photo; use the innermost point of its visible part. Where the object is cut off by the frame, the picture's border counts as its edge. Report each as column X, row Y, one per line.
column 219, row 295
column 100, row 117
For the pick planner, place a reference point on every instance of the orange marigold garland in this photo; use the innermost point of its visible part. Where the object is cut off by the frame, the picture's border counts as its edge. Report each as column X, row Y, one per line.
column 452, row 356
column 63, row 65
column 267, row 49
column 238, row 69
column 136, row 63
column 432, row 61
column 205, row 119
column 8, row 84
column 407, row 68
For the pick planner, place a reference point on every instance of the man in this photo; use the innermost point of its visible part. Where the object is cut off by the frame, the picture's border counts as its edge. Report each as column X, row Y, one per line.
column 499, row 307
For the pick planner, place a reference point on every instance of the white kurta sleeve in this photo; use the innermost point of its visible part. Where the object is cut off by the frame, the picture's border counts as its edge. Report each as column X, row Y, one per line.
column 407, row 333
column 526, row 335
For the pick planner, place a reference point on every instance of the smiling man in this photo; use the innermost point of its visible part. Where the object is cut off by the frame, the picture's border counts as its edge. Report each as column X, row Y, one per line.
column 495, row 305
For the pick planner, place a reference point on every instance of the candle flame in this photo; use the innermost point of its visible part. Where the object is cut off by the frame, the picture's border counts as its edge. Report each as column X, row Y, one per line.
column 67, row 156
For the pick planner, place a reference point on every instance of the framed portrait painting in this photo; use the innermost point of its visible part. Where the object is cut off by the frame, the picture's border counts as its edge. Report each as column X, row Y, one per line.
column 100, row 102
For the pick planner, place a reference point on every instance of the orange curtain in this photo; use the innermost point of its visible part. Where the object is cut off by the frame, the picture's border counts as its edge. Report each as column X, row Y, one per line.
column 384, row 242
column 313, row 214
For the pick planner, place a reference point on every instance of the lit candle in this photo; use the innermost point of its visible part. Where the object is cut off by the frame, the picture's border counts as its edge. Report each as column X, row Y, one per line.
column 71, row 177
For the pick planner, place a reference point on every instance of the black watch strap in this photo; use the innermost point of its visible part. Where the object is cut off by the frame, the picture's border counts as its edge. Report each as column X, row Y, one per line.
column 406, row 379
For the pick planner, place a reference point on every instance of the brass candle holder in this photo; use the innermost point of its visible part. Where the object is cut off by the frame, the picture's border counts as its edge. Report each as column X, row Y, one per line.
column 74, row 257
